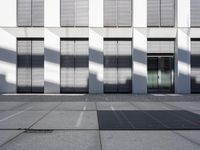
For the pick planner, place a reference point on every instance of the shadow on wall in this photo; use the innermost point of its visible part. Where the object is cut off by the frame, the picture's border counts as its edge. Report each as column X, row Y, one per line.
column 195, row 75
column 183, row 68
column 8, row 58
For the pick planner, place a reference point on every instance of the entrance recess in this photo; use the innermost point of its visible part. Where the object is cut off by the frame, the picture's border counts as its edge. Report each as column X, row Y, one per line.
column 160, row 74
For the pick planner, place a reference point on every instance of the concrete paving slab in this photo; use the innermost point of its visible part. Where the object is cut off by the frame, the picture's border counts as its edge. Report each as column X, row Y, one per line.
column 185, row 105
column 68, row 120
column 145, row 140
column 6, row 135
column 76, row 106
column 115, row 106
column 39, row 106
column 151, row 106
column 10, row 105
column 19, row 119
column 57, row 140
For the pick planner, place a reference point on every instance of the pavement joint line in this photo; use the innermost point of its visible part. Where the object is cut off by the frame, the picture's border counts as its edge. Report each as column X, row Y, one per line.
column 186, row 138
column 99, row 133
column 78, row 123
column 15, row 114
column 139, row 108
column 44, row 115
column 12, row 139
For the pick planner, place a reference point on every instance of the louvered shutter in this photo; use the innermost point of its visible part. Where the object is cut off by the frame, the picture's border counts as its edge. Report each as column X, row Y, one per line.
column 81, row 12
column 124, row 67
column 67, row 66
column 81, row 66
column 24, row 66
column 24, row 12
column 110, row 12
column 167, row 12
column 162, row 46
column 124, row 10
column 195, row 13
column 37, row 66
column 67, row 12
column 153, row 12
column 37, row 12
column 195, row 66
column 110, row 66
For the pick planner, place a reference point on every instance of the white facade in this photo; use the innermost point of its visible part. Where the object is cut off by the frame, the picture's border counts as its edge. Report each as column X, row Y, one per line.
column 96, row 32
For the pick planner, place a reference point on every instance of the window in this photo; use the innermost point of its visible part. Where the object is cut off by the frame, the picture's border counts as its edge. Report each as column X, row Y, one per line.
column 117, row 13
column 30, row 12
column 161, row 13
column 195, row 13
column 74, row 13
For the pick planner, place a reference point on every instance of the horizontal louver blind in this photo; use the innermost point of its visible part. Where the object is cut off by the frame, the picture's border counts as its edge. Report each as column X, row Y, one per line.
column 124, row 12
column 67, row 12
column 81, row 13
column 167, row 12
column 110, row 12
column 195, row 13
column 161, row 46
column 195, row 66
column 37, row 12
column 153, row 12
column 24, row 12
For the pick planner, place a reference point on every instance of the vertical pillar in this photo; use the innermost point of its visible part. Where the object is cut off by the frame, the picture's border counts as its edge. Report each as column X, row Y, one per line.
column 51, row 62
column 95, row 61
column 183, row 13
column 8, row 62
column 139, row 61
column 96, row 13
column 139, row 13
column 51, row 13
column 182, row 60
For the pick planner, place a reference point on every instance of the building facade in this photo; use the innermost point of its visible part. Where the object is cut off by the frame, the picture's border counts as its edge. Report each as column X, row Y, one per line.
column 100, row 46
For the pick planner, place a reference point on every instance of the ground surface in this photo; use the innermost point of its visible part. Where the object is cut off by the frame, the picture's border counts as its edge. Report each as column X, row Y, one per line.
column 71, row 122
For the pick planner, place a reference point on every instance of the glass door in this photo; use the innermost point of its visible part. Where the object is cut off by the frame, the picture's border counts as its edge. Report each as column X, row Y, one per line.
column 160, row 74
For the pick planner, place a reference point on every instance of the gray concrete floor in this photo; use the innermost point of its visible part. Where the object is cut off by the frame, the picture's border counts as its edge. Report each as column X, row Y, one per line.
column 36, row 122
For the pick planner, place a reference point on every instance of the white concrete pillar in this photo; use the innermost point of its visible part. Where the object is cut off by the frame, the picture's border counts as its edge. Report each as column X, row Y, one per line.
column 140, row 13
column 8, row 15
column 8, row 62
column 95, row 60
column 96, row 13
column 139, row 77
column 51, row 62
column 183, row 13
column 52, row 13
column 182, row 62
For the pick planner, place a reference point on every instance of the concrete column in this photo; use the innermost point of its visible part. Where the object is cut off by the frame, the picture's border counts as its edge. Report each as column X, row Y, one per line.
column 182, row 62
column 183, row 13
column 96, row 13
column 52, row 13
column 95, row 60
column 139, row 77
column 8, row 15
column 140, row 13
column 8, row 62
column 51, row 62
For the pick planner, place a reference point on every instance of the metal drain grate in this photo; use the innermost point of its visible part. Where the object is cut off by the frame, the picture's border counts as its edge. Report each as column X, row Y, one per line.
column 38, row 131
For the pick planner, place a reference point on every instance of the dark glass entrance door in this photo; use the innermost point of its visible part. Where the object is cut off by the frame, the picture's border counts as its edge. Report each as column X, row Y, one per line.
column 160, row 74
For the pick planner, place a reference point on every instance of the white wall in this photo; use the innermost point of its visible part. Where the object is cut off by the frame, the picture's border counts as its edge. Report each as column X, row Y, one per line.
column 96, row 61
column 52, row 62
column 183, row 13
column 8, row 13
column 140, row 13
column 96, row 13
column 7, row 62
column 52, row 13
column 139, row 55
column 182, row 60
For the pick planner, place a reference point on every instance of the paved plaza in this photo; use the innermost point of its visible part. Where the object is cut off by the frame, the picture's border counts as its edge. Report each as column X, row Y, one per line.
column 56, row 122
